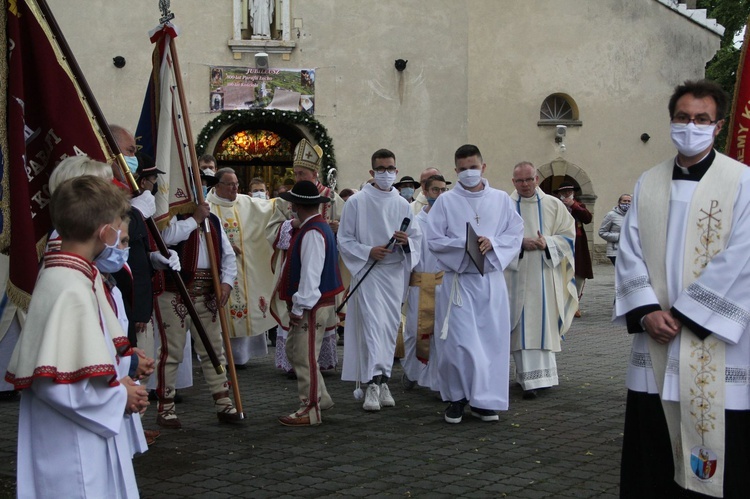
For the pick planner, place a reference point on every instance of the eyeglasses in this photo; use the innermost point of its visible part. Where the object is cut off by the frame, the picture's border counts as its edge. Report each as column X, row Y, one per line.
column 438, row 189
column 231, row 184
column 383, row 169
column 523, row 180
column 700, row 121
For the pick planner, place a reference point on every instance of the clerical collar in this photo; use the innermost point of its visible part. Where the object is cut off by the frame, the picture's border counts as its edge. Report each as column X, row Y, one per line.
column 694, row 173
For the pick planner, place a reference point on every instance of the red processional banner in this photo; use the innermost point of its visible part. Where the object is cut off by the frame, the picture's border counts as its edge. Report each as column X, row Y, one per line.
column 739, row 123
column 46, row 120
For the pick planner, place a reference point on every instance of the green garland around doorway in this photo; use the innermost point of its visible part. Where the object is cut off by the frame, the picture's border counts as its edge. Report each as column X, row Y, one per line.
column 250, row 119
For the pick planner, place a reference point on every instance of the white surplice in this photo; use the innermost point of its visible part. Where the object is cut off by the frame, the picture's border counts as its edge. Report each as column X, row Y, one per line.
column 71, row 436
column 474, row 357
column 416, row 370
column 718, row 300
column 542, row 293
column 369, row 218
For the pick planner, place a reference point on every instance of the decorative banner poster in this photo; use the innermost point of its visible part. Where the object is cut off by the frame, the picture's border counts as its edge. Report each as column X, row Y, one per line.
column 252, row 88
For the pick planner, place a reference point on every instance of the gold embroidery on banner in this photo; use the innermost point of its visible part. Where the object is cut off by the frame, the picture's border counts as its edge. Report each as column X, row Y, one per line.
column 710, row 236
column 704, row 373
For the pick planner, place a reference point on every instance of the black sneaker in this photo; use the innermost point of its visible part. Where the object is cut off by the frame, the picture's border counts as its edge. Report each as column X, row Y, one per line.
column 484, row 414
column 455, row 412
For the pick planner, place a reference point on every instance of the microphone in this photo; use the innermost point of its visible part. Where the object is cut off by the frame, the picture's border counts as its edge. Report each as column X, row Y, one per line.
column 404, row 225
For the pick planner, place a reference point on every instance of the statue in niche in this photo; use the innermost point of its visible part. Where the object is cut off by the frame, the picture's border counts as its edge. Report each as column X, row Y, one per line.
column 261, row 17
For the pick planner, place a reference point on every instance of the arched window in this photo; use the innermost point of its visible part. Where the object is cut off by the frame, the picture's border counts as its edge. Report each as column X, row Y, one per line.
column 559, row 109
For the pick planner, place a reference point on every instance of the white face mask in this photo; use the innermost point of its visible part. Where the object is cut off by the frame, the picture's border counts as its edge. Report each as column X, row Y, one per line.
column 470, row 178
column 259, row 195
column 691, row 140
column 385, row 180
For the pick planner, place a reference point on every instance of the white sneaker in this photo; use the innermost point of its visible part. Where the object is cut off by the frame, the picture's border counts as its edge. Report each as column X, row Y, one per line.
column 386, row 399
column 372, row 398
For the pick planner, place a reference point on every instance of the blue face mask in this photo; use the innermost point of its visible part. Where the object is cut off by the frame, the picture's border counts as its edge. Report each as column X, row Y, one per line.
column 132, row 162
column 112, row 258
column 431, row 201
column 205, row 191
column 407, row 192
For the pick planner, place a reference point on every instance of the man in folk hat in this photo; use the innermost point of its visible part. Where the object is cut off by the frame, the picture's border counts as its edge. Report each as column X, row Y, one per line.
column 543, row 298
column 306, row 166
column 406, row 187
column 310, row 282
column 582, row 216
column 244, row 220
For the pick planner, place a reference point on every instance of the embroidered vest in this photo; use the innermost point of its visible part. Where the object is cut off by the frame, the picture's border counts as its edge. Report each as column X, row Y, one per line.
column 187, row 250
column 330, row 279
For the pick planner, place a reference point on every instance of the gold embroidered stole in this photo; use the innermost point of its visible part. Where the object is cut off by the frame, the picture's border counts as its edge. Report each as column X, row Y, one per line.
column 427, row 283
column 696, row 423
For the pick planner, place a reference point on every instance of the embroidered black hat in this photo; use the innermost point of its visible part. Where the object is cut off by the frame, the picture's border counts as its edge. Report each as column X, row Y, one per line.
column 304, row 192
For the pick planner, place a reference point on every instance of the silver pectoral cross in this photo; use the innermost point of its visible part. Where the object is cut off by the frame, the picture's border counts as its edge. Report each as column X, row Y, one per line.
column 477, row 219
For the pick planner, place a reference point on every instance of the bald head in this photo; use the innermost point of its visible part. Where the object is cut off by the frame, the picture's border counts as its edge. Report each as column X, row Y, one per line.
column 125, row 140
column 427, row 173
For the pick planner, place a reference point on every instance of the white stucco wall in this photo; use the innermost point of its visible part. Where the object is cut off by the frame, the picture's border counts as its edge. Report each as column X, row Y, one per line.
column 478, row 72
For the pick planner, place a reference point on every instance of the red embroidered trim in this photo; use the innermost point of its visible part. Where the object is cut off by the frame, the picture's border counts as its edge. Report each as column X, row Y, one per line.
column 63, row 377
column 70, row 261
column 122, row 345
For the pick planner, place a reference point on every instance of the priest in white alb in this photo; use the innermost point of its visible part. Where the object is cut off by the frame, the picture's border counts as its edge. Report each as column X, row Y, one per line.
column 683, row 289
column 244, row 220
column 372, row 236
column 541, row 282
column 471, row 309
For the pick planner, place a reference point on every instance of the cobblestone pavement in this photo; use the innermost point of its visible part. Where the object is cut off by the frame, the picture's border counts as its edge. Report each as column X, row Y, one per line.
column 566, row 443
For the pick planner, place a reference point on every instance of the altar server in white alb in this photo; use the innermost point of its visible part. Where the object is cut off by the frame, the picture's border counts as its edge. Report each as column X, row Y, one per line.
column 72, row 437
column 541, row 282
column 683, row 289
column 369, row 235
column 420, row 360
column 471, row 309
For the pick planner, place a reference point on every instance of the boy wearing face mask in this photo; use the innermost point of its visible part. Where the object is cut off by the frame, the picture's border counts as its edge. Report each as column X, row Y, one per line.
column 369, row 235
column 420, row 313
column 258, row 188
column 471, row 309
column 76, row 404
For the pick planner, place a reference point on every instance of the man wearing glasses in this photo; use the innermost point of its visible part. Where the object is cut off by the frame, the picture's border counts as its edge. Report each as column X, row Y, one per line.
column 682, row 278
column 543, row 297
column 369, row 238
column 244, row 219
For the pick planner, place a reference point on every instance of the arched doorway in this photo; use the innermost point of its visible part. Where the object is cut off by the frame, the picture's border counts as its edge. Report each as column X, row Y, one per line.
column 558, row 172
column 258, row 153
column 260, row 143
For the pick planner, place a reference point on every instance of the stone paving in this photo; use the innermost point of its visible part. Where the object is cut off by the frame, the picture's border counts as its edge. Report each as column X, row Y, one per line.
column 566, row 443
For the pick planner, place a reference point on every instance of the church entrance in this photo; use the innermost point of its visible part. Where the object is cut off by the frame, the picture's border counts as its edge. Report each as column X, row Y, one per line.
column 264, row 152
column 260, row 143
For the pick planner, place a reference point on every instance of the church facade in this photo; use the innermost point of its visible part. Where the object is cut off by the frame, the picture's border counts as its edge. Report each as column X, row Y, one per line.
column 577, row 87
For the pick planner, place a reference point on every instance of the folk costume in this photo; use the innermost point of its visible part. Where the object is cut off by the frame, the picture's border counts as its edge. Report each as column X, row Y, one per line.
column 424, row 281
column 185, row 236
column 683, row 248
column 370, row 217
column 71, row 438
column 471, row 309
column 310, row 281
column 244, row 221
column 543, row 297
column 279, row 234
